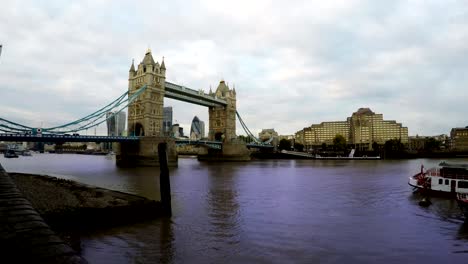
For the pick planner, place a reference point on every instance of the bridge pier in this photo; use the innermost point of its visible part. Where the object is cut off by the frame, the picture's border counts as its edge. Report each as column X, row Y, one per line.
column 145, row 152
column 231, row 151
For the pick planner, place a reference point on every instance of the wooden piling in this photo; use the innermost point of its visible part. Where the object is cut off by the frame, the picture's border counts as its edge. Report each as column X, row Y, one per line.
column 164, row 182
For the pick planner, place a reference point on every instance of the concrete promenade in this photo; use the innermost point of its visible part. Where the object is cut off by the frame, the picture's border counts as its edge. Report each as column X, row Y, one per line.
column 24, row 236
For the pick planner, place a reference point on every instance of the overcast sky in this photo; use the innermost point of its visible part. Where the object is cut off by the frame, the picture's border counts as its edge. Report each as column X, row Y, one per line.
column 293, row 63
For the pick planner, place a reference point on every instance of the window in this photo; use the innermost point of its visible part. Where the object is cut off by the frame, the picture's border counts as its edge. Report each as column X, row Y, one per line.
column 440, row 181
column 463, row 184
column 446, row 182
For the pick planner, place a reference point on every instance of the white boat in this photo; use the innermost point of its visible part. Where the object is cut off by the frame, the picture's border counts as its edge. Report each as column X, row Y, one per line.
column 447, row 178
column 26, row 153
column 462, row 200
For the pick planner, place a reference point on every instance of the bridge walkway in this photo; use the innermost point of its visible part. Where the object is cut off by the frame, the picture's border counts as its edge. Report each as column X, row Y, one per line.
column 24, row 236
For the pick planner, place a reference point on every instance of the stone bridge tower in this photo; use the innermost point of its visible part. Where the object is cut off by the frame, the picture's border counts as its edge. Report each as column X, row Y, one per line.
column 145, row 117
column 145, row 114
column 222, row 120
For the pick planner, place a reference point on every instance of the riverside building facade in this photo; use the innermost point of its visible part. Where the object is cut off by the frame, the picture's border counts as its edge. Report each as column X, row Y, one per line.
column 362, row 129
column 459, row 139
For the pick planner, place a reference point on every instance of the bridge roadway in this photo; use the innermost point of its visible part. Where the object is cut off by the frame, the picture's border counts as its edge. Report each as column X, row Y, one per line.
column 63, row 138
column 69, row 138
column 216, row 144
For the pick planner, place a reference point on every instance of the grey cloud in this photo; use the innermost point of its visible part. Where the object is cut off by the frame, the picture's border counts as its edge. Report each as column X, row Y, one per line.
column 308, row 63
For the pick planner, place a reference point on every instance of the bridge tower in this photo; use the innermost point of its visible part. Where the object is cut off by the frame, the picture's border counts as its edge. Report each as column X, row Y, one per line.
column 145, row 114
column 222, row 120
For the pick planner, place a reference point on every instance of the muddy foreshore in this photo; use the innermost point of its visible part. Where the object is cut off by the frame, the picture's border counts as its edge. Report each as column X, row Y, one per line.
column 69, row 205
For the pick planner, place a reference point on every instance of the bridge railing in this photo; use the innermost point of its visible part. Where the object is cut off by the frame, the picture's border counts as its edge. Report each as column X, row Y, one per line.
column 55, row 137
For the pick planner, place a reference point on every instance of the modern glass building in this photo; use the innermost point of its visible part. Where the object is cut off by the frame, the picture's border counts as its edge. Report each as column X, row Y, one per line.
column 197, row 130
column 116, row 124
column 167, row 121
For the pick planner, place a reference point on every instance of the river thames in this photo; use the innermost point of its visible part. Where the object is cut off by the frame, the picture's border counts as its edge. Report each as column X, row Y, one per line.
column 270, row 211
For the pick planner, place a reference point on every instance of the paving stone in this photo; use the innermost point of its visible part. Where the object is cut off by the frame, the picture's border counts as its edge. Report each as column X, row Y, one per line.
column 29, row 225
column 23, row 218
column 18, row 210
column 44, row 240
column 37, row 232
column 51, row 251
column 24, row 236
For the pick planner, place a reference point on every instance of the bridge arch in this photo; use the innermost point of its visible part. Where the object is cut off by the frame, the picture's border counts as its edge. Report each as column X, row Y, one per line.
column 219, row 136
column 137, row 130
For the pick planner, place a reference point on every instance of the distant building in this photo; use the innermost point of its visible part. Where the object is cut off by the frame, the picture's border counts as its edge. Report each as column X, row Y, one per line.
column 177, row 131
column 167, row 121
column 459, row 139
column 362, row 129
column 197, row 129
column 287, row 137
column 116, row 123
column 267, row 133
column 417, row 142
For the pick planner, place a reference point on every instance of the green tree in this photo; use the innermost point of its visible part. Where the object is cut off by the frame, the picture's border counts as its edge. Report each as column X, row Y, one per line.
column 375, row 146
column 324, row 146
column 339, row 142
column 432, row 144
column 394, row 148
column 284, row 144
column 298, row 147
column 394, row 145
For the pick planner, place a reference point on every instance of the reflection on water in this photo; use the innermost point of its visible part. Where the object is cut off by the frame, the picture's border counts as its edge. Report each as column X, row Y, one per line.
column 275, row 211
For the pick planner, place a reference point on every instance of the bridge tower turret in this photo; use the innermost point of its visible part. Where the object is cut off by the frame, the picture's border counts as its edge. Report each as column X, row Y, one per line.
column 145, row 114
column 223, row 119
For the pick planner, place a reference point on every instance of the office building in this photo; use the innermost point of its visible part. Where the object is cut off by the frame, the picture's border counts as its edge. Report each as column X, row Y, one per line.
column 167, row 121
column 115, row 123
column 362, row 129
column 459, row 139
column 197, row 129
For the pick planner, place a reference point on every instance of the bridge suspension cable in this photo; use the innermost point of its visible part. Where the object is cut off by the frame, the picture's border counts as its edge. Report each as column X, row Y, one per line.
column 98, row 117
column 89, row 121
column 249, row 133
column 12, row 127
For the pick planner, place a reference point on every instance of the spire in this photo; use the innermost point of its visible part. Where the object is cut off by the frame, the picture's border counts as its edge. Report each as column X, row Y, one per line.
column 148, row 59
column 163, row 66
column 132, row 68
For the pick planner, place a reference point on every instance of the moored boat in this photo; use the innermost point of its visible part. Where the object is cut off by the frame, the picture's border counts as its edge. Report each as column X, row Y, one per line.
column 10, row 154
column 462, row 200
column 447, row 178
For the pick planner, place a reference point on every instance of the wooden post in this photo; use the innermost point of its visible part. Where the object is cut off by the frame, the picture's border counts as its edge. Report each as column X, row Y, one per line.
column 164, row 182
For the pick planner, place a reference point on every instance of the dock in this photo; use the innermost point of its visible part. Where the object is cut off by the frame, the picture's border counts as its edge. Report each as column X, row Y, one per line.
column 305, row 155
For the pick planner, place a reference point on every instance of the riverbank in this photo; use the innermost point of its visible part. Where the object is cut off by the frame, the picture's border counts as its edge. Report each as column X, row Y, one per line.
column 24, row 236
column 69, row 205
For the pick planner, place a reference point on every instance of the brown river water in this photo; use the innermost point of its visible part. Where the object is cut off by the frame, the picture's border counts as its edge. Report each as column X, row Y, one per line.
column 270, row 211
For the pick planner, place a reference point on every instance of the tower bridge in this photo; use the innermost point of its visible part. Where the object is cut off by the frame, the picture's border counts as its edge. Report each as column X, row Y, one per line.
column 145, row 114
column 147, row 87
